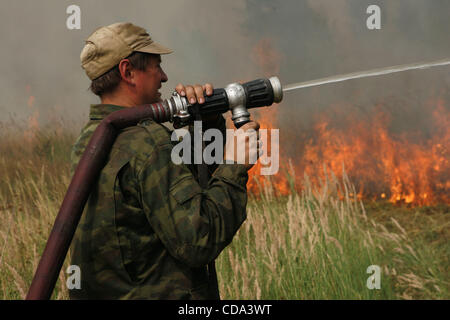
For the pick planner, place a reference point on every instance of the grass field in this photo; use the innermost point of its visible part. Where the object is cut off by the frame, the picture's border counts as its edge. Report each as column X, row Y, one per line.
column 311, row 245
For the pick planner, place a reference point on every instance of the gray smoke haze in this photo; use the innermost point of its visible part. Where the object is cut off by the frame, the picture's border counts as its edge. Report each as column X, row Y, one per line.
column 226, row 41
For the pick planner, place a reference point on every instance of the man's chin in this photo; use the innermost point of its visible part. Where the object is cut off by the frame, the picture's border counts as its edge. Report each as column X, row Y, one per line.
column 158, row 97
column 154, row 100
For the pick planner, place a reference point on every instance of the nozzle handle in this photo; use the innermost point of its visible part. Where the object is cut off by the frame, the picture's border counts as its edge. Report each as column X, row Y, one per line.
column 259, row 93
column 217, row 103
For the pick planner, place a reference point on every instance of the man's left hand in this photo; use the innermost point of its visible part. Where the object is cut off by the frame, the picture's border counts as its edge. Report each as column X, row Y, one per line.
column 195, row 93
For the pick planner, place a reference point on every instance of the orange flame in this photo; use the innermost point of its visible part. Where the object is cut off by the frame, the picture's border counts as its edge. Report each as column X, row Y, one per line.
column 33, row 122
column 381, row 164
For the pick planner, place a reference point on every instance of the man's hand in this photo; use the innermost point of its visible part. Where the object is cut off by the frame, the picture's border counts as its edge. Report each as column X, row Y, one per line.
column 236, row 150
column 195, row 94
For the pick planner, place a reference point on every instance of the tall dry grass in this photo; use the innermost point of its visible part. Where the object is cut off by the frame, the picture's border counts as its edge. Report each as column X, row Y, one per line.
column 34, row 167
column 318, row 244
column 309, row 245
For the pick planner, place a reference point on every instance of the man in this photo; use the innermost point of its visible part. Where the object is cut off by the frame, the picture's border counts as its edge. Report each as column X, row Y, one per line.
column 149, row 230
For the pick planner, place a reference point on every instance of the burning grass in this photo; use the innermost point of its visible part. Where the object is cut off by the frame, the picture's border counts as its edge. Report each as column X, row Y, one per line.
column 310, row 245
column 410, row 167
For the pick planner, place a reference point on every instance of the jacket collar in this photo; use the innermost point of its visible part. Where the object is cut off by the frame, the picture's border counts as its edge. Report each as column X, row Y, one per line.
column 100, row 111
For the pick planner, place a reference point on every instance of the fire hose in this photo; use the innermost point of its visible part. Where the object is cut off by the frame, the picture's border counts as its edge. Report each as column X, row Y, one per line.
column 235, row 97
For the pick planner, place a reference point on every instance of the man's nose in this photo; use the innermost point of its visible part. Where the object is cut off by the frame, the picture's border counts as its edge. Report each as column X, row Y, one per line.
column 164, row 77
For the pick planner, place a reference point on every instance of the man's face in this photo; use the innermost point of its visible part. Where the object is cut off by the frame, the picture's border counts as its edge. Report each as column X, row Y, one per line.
column 149, row 81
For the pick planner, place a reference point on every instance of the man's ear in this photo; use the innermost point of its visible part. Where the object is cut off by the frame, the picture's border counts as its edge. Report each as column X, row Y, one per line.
column 126, row 71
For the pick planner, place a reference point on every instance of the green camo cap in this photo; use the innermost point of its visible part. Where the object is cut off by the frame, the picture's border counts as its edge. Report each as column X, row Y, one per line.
column 108, row 45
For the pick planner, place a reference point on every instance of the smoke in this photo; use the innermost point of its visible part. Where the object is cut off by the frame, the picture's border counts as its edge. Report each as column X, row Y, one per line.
column 267, row 57
column 337, row 20
column 41, row 54
column 319, row 38
column 222, row 42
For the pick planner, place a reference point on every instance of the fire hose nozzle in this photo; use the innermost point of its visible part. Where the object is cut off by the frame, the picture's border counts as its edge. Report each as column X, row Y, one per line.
column 277, row 89
column 236, row 97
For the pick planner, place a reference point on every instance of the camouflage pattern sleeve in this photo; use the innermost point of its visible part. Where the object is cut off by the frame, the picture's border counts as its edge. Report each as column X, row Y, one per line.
column 194, row 225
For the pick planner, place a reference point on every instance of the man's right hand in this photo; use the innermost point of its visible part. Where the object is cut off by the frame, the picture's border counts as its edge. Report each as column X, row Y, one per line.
column 249, row 133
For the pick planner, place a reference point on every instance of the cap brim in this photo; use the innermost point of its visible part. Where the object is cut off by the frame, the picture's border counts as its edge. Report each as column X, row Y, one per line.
column 155, row 48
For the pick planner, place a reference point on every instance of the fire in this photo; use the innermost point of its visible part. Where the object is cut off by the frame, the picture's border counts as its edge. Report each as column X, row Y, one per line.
column 266, row 119
column 30, row 101
column 400, row 168
column 33, row 122
column 267, row 58
column 382, row 163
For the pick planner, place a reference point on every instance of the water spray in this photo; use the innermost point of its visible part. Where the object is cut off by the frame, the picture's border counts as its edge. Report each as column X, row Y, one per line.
column 366, row 74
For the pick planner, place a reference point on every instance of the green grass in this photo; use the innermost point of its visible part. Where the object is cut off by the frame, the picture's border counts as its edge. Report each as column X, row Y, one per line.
column 316, row 246
column 312, row 245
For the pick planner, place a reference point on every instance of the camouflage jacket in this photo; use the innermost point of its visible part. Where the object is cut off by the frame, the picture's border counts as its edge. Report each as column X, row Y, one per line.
column 149, row 230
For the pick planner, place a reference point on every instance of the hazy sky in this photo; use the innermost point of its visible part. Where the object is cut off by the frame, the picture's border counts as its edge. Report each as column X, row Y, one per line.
column 227, row 41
